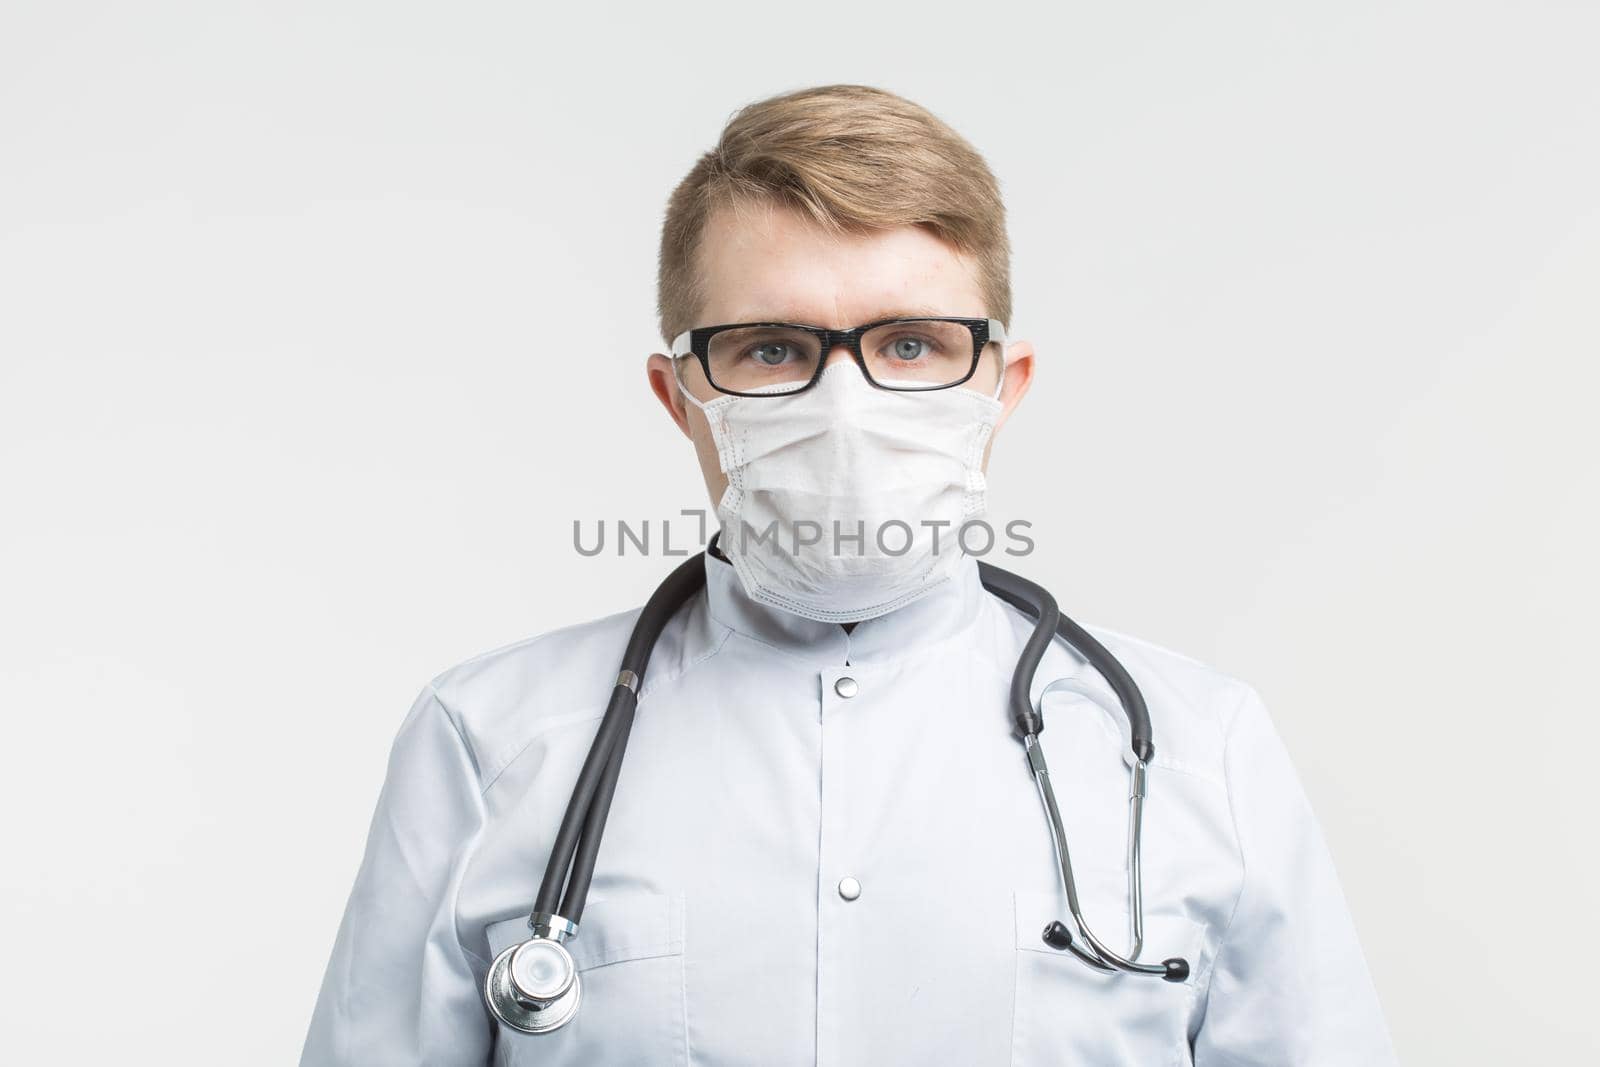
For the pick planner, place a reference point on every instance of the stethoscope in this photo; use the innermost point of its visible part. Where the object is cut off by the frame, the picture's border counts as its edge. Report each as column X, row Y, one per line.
column 534, row 986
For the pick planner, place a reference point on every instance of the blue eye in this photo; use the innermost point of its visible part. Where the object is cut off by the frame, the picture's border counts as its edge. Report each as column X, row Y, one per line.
column 772, row 354
column 910, row 348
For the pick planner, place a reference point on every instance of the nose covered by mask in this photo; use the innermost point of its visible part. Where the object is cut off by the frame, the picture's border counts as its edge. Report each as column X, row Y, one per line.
column 845, row 501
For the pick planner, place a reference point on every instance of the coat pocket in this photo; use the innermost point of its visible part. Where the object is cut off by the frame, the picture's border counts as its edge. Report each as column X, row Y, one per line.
column 629, row 956
column 1068, row 1013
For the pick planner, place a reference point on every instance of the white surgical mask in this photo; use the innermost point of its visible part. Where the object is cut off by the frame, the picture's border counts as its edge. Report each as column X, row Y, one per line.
column 845, row 501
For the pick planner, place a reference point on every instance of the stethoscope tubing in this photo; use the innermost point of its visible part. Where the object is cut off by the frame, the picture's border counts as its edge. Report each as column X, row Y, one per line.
column 1036, row 602
column 577, row 842
column 576, row 847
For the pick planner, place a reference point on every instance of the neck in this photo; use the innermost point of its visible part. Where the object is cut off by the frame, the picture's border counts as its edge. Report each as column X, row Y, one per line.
column 717, row 552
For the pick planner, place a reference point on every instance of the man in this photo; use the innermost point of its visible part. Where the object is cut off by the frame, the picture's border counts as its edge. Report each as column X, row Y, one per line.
column 826, row 846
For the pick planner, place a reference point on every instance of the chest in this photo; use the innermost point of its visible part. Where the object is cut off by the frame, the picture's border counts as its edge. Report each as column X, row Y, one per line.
column 850, row 866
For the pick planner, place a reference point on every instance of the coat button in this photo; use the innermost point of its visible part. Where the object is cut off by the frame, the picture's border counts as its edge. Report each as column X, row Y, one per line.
column 846, row 687
column 849, row 888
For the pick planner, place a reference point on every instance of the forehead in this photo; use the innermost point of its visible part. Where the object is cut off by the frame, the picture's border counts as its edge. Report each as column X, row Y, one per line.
column 768, row 262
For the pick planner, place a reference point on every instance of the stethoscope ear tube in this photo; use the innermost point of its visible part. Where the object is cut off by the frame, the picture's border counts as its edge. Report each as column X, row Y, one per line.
column 1094, row 951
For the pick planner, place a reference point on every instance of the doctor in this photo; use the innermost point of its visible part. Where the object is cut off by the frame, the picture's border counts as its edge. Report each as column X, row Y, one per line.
column 825, row 846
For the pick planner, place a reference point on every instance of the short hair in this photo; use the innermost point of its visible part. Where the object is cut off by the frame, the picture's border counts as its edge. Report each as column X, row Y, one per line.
column 854, row 159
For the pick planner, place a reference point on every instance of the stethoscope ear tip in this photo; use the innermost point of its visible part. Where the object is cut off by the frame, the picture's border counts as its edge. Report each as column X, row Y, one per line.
column 1177, row 969
column 1056, row 935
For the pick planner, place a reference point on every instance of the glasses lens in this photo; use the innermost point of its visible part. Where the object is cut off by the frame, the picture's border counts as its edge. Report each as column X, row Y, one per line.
column 918, row 354
column 764, row 358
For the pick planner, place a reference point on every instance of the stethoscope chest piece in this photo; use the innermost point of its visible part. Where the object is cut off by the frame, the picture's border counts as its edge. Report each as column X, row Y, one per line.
column 534, row 986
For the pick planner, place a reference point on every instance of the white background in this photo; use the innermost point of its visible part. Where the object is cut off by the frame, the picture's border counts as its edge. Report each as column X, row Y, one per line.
column 320, row 324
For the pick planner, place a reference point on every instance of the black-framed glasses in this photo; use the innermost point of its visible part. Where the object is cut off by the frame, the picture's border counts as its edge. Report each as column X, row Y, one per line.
column 783, row 358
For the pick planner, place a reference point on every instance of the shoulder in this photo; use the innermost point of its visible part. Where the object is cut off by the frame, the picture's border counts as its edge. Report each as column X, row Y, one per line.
column 549, row 663
column 1181, row 677
column 502, row 699
column 1193, row 705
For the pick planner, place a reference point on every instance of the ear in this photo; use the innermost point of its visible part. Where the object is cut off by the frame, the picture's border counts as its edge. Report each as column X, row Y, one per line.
column 663, row 383
column 1019, row 376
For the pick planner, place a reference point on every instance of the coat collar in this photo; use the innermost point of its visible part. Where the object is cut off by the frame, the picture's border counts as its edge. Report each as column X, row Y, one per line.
column 947, row 612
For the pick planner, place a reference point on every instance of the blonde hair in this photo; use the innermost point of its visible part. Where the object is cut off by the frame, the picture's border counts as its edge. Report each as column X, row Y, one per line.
column 852, row 158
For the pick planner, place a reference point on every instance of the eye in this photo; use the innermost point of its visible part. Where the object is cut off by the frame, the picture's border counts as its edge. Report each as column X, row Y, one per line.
column 771, row 353
column 909, row 348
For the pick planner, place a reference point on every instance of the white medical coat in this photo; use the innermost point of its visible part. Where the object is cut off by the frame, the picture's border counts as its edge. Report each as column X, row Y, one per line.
column 715, row 930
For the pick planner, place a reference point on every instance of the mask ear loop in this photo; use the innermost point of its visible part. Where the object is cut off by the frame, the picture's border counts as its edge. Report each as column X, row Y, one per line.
column 1001, row 343
column 677, row 376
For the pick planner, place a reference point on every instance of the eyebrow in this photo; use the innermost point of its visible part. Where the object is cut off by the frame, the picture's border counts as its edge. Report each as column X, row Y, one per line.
column 791, row 315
